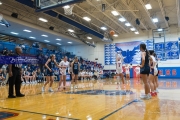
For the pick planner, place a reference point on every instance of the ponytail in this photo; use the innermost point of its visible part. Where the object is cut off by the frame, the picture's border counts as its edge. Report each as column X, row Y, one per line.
column 147, row 52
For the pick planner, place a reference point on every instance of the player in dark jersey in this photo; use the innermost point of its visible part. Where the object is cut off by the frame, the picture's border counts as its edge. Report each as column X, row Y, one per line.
column 75, row 71
column 50, row 65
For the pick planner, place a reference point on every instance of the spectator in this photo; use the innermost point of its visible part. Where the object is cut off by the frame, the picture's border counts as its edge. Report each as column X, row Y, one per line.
column 39, row 76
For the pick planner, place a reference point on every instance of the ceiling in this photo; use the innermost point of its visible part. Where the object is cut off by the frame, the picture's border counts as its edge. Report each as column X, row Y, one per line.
column 19, row 28
column 128, row 9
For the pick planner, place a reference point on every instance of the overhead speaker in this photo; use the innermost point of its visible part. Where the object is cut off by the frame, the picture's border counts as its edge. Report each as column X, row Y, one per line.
column 137, row 21
column 15, row 15
column 103, row 7
column 167, row 18
column 51, row 28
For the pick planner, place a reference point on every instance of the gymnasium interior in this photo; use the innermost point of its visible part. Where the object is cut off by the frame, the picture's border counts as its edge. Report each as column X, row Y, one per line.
column 94, row 31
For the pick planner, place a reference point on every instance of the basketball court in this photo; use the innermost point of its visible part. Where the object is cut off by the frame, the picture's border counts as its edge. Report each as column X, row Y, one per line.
column 96, row 32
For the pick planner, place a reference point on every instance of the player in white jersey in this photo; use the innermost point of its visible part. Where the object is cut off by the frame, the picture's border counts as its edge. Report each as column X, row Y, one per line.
column 156, row 76
column 137, row 71
column 119, row 69
column 153, row 73
column 64, row 64
column 127, row 71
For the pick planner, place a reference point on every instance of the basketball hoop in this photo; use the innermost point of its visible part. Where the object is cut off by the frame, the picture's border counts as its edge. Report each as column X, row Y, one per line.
column 68, row 10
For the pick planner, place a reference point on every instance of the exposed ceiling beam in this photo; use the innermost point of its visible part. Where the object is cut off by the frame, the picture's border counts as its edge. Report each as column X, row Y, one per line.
column 96, row 19
column 135, row 15
column 162, row 11
column 90, row 3
column 118, row 12
column 178, row 11
column 148, row 14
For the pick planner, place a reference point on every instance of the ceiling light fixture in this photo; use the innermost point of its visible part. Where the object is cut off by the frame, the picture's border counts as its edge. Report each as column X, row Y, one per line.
column 115, row 13
column 43, row 20
column 160, row 29
column 155, row 20
column 70, row 30
column 0, row 3
column 148, row 6
column 2, row 24
column 69, row 42
column 89, row 38
column 136, row 32
column 132, row 29
column 115, row 35
column 44, row 35
column 58, row 39
column 32, row 37
column 58, row 43
column 122, row 19
column 26, row 30
column 103, row 28
column 14, row 33
column 127, row 24
column 46, row 40
column 87, row 19
column 66, row 7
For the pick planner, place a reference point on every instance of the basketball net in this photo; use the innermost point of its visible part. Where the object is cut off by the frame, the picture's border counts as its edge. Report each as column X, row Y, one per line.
column 68, row 11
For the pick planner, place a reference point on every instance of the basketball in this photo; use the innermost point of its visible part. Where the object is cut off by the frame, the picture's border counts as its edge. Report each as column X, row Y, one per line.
column 112, row 32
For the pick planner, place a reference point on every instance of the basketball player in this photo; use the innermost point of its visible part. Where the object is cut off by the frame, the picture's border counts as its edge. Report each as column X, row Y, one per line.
column 64, row 65
column 50, row 65
column 127, row 71
column 156, row 76
column 153, row 73
column 119, row 69
column 145, row 70
column 75, row 71
column 137, row 70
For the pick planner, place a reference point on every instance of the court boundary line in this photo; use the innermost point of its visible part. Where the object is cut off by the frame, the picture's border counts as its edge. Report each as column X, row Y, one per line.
column 106, row 116
column 39, row 113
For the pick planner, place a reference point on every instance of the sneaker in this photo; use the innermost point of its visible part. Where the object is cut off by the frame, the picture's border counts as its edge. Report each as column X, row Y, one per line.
column 43, row 89
column 51, row 90
column 153, row 94
column 146, row 97
column 157, row 91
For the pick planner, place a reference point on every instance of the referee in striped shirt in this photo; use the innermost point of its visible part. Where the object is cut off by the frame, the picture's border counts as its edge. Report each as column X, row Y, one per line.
column 15, row 76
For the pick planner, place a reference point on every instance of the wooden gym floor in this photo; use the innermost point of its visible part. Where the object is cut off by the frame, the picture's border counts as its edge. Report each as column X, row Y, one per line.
column 95, row 101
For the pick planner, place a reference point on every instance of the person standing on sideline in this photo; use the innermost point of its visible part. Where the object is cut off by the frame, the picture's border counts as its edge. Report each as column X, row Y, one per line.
column 15, row 76
column 75, row 71
column 50, row 65
column 145, row 70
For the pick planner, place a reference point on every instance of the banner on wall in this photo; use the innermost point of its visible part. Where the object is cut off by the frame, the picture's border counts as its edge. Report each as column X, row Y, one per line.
column 167, row 51
column 130, row 51
column 110, row 54
column 169, row 72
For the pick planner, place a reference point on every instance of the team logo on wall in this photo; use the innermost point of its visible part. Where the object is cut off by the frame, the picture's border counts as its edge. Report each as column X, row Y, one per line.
column 168, row 72
column 174, row 72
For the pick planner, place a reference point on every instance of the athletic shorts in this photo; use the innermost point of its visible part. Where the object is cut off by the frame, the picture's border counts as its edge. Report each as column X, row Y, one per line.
column 152, row 72
column 145, row 70
column 76, row 72
column 127, row 72
column 157, row 73
column 50, row 73
column 63, row 72
column 118, row 71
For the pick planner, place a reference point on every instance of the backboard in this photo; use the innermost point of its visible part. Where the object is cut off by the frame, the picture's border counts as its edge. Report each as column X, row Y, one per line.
column 44, row 5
